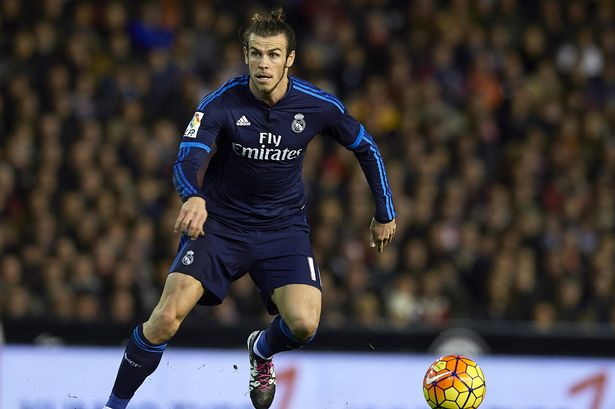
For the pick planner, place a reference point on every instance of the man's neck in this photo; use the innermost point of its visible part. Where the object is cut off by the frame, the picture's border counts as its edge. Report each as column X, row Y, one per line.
column 271, row 98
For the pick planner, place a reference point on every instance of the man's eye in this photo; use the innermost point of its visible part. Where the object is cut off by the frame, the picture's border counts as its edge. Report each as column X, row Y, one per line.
column 273, row 55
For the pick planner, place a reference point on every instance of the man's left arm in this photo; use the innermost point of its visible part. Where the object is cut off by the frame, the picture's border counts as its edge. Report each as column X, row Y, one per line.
column 350, row 133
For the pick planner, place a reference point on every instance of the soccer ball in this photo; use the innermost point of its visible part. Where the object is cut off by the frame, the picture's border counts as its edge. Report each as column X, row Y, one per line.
column 454, row 382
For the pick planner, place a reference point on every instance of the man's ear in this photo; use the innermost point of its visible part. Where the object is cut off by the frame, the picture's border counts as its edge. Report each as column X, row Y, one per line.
column 290, row 59
column 245, row 55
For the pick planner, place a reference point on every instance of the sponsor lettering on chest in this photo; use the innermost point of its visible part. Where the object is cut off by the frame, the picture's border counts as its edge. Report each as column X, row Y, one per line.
column 269, row 148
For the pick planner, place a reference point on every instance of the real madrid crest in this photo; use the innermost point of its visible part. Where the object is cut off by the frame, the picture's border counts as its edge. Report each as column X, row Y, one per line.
column 298, row 124
column 188, row 258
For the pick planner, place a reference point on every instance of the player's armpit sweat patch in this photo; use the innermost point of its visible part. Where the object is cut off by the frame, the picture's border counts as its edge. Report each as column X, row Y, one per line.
column 194, row 125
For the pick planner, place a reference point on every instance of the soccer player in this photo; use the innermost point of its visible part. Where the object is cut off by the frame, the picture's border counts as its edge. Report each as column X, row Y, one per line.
column 238, row 173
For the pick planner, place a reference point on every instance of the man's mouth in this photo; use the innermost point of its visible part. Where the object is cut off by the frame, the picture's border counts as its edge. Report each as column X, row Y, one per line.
column 262, row 77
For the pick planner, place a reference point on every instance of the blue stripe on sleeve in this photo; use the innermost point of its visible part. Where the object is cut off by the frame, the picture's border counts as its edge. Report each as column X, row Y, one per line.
column 205, row 101
column 183, row 178
column 183, row 186
column 178, row 182
column 311, row 87
column 194, row 145
column 359, row 138
column 386, row 182
column 305, row 90
column 383, row 179
column 211, row 94
column 387, row 199
column 186, row 187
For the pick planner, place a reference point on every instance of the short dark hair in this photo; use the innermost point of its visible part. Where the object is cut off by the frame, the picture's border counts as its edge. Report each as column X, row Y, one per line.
column 269, row 25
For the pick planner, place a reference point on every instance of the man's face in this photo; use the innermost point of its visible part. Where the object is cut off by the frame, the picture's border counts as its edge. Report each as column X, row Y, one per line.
column 267, row 61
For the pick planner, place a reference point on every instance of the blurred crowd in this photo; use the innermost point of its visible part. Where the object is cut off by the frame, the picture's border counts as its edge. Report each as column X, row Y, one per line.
column 495, row 119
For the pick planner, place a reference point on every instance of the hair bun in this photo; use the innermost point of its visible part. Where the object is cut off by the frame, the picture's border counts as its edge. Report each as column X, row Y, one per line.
column 270, row 24
column 278, row 15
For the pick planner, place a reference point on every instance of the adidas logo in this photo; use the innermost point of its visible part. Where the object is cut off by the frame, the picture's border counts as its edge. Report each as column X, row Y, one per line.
column 243, row 121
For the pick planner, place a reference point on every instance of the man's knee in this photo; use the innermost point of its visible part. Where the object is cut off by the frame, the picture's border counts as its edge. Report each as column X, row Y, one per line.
column 181, row 292
column 299, row 305
column 162, row 324
column 304, row 328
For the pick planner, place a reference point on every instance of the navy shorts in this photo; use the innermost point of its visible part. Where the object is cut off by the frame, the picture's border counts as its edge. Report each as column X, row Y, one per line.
column 224, row 254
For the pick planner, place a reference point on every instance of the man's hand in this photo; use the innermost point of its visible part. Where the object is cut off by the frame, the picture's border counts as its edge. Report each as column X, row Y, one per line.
column 192, row 217
column 381, row 234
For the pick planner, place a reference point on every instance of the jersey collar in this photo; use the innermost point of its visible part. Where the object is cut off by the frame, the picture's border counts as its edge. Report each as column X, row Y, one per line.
column 280, row 102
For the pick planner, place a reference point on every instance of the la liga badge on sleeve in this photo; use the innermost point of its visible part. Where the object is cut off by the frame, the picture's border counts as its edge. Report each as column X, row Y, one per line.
column 194, row 125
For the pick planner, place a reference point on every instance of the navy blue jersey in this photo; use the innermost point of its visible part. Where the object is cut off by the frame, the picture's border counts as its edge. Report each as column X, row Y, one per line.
column 245, row 157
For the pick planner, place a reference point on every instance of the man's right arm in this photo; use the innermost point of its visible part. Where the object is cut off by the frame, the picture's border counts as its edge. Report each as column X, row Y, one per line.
column 195, row 150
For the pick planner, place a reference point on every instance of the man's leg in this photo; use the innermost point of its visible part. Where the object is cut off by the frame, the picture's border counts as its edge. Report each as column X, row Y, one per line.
column 295, row 326
column 149, row 340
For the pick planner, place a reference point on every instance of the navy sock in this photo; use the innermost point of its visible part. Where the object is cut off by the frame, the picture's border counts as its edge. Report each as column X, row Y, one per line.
column 277, row 338
column 140, row 359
